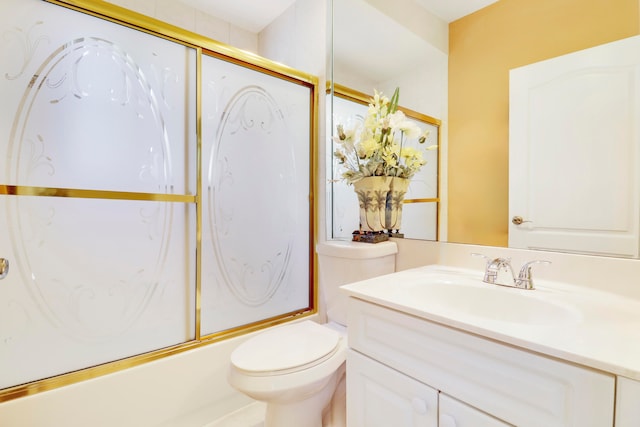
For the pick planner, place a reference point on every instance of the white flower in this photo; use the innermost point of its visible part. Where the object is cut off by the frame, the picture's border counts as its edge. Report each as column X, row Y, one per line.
column 373, row 148
column 410, row 129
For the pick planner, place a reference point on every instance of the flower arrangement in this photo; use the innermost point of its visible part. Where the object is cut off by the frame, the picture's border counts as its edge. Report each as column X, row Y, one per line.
column 373, row 148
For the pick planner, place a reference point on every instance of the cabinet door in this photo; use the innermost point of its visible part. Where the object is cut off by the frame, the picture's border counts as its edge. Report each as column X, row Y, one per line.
column 454, row 413
column 379, row 396
column 627, row 398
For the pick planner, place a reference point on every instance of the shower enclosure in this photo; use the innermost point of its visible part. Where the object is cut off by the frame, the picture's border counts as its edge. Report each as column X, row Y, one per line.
column 155, row 190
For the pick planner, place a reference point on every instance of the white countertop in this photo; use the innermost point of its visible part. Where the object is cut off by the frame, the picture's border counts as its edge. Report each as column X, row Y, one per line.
column 589, row 327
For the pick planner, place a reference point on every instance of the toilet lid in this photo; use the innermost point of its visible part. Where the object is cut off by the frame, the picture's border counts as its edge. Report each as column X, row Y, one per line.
column 285, row 347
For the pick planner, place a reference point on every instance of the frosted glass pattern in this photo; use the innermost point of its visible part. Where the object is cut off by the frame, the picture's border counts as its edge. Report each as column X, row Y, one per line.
column 88, row 98
column 91, row 105
column 255, row 239
column 344, row 213
column 91, row 281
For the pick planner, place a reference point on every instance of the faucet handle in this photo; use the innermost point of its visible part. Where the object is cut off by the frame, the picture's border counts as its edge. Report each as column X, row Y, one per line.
column 476, row 254
column 525, row 277
column 489, row 276
column 496, row 267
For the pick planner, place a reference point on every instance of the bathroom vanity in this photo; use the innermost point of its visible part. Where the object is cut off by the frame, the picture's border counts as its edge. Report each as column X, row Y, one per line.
column 435, row 346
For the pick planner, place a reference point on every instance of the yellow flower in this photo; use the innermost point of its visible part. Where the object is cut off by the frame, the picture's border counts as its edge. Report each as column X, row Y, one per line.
column 412, row 157
column 389, row 154
column 368, row 148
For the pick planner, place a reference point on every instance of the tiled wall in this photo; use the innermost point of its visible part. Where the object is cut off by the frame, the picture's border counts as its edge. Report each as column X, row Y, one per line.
column 177, row 13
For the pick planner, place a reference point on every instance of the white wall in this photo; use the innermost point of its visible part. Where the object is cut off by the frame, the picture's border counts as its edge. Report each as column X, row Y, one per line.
column 610, row 274
column 297, row 38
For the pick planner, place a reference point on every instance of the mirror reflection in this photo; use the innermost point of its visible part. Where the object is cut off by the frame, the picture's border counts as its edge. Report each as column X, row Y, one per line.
column 412, row 210
column 467, row 85
column 365, row 61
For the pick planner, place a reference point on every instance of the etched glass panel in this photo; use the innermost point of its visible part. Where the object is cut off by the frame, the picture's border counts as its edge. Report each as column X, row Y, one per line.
column 94, row 105
column 91, row 281
column 91, row 105
column 256, row 168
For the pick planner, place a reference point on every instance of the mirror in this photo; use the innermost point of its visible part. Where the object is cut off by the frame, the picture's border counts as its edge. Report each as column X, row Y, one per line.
column 468, row 87
column 398, row 57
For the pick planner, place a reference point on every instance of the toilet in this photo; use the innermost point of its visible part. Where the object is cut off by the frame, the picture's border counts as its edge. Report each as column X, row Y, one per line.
column 297, row 367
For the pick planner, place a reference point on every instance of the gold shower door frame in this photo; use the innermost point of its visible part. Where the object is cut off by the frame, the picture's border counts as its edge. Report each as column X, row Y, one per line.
column 202, row 46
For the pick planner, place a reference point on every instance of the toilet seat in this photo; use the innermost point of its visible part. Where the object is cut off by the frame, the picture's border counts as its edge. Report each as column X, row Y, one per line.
column 285, row 349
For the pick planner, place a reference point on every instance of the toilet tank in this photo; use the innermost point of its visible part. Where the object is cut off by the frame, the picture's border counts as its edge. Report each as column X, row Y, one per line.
column 342, row 262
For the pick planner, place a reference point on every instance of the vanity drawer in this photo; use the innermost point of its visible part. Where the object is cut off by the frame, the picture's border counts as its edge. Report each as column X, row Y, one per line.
column 514, row 385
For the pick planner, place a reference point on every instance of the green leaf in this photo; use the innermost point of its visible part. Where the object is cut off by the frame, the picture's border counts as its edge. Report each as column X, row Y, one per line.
column 393, row 103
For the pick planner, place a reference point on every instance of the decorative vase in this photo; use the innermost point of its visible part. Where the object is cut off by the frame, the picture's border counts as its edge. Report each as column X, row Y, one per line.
column 393, row 205
column 372, row 196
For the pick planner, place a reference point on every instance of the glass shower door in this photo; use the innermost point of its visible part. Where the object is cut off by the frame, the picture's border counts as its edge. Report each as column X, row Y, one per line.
column 97, row 184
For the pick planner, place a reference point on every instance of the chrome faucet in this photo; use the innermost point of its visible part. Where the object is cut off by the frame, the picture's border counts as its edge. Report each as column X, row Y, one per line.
column 525, row 277
column 498, row 271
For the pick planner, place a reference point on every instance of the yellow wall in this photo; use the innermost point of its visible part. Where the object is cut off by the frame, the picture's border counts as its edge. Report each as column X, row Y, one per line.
column 483, row 47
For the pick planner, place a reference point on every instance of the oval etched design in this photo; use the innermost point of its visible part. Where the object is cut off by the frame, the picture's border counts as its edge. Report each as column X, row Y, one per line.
column 90, row 118
column 90, row 265
column 251, row 181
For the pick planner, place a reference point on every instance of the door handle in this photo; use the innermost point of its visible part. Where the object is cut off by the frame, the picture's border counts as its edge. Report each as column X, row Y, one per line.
column 517, row 220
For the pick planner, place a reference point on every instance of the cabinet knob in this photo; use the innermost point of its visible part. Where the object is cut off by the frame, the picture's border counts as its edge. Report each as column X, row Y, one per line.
column 446, row 421
column 419, row 405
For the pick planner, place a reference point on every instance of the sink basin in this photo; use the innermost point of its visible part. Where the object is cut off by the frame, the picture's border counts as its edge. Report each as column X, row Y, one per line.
column 491, row 302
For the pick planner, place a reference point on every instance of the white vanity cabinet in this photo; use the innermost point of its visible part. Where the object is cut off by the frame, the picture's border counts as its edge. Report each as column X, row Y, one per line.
column 453, row 413
column 477, row 381
column 381, row 397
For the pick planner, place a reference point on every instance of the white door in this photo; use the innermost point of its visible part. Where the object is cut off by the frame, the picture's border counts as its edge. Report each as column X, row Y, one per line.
column 573, row 152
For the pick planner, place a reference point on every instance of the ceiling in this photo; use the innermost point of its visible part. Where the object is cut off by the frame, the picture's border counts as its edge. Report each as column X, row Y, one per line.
column 254, row 15
column 450, row 10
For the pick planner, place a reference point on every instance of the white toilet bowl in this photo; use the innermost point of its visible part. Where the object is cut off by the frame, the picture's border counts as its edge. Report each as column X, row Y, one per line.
column 296, row 368
column 293, row 368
